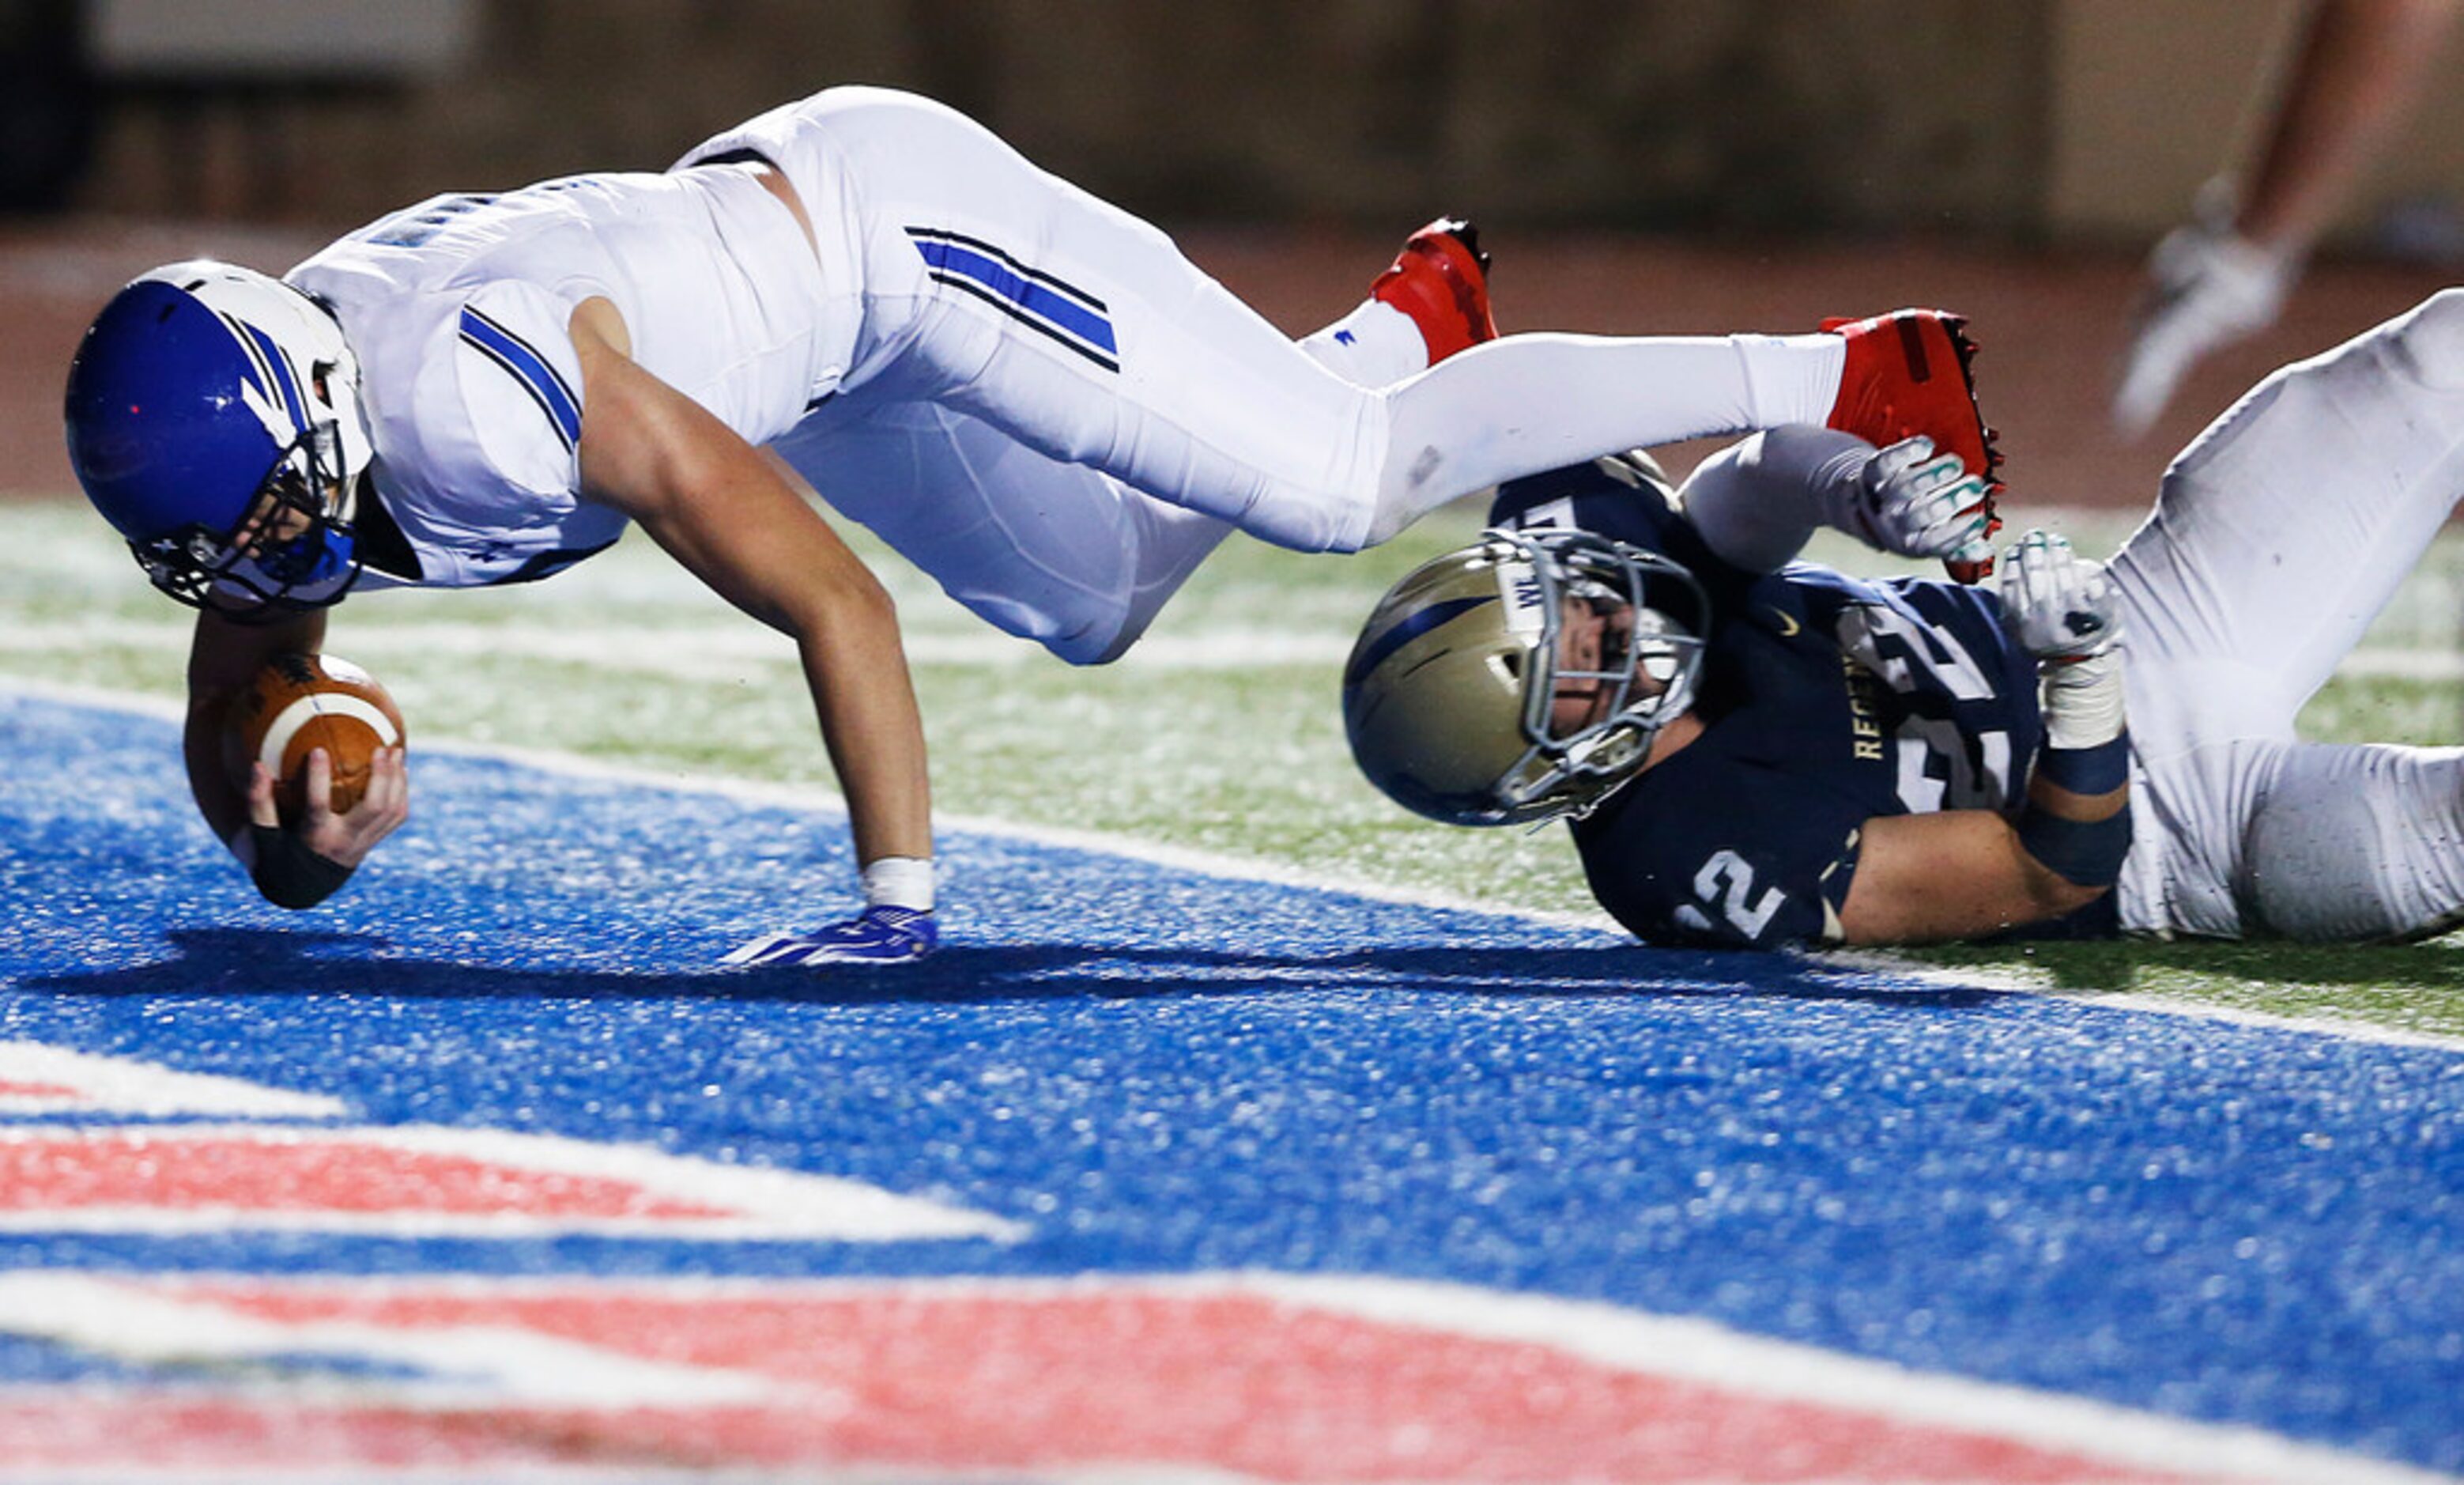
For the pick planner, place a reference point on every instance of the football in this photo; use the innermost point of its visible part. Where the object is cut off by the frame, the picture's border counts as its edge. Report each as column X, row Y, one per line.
column 298, row 703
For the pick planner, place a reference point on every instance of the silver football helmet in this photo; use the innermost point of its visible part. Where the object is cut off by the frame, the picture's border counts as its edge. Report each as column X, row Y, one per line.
column 1449, row 694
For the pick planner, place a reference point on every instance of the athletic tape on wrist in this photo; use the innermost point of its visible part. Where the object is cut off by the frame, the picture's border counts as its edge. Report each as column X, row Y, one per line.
column 288, row 874
column 2083, row 852
column 2082, row 701
column 2087, row 770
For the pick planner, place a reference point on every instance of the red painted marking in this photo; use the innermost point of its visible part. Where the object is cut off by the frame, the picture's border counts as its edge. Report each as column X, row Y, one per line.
column 10, row 1088
column 917, row 1381
column 168, row 1171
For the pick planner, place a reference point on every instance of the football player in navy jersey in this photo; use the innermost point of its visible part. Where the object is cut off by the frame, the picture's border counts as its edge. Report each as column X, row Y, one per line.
column 1760, row 752
column 860, row 298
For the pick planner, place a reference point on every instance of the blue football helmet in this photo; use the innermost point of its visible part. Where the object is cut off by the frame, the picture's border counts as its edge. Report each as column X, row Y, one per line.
column 214, row 420
column 1447, row 699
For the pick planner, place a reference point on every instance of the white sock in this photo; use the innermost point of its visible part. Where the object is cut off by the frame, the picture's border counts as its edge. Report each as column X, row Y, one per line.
column 899, row 881
column 1374, row 345
column 1792, row 378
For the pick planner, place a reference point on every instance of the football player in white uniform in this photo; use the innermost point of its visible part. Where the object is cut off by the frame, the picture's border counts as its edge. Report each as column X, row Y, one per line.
column 1761, row 753
column 1029, row 392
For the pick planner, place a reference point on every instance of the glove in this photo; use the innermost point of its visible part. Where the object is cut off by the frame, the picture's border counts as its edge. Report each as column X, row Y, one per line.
column 2060, row 607
column 2056, row 603
column 1910, row 501
column 877, row 936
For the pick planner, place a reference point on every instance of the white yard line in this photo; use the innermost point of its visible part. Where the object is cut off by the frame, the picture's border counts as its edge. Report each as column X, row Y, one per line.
column 699, row 652
column 2023, row 981
column 791, row 796
column 1240, row 868
column 693, row 650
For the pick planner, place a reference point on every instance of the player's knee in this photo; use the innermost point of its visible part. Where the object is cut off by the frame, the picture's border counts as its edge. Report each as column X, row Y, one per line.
column 1076, row 652
column 2430, row 339
column 1094, row 644
column 2447, row 306
column 1103, row 644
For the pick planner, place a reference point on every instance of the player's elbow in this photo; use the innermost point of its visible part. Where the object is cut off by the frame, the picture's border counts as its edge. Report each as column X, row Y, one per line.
column 848, row 604
column 2054, row 895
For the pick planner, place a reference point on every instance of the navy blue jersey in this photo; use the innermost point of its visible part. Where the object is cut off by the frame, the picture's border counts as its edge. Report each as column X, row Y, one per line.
column 1826, row 701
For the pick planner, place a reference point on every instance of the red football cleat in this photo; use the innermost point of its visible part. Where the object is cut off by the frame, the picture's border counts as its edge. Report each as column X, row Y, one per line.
column 1907, row 373
column 1440, row 279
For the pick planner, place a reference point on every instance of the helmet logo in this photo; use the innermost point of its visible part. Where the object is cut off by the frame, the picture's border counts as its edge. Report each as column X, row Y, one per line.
column 277, row 426
column 1526, row 602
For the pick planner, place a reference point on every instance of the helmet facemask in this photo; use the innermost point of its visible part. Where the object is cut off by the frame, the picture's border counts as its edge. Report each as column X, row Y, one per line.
column 1652, row 613
column 295, row 549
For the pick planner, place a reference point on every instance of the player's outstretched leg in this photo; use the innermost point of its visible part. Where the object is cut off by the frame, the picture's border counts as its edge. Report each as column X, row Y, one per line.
column 1431, row 302
column 1084, row 334
column 1525, row 403
column 1438, row 287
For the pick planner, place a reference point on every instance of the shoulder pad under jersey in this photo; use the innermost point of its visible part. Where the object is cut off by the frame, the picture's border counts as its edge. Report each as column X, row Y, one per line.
column 519, row 380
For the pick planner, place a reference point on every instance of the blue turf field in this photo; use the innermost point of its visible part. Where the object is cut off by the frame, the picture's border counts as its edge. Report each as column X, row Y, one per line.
column 1159, row 1072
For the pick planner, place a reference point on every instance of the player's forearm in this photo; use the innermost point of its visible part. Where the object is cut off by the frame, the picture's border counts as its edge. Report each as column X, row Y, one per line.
column 2359, row 68
column 1757, row 501
column 1949, row 875
column 874, row 731
column 2076, row 823
column 223, row 805
column 223, row 658
column 2074, row 844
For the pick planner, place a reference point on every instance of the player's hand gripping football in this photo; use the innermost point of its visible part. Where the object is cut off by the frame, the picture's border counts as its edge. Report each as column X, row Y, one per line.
column 1910, row 500
column 880, row 935
column 344, row 839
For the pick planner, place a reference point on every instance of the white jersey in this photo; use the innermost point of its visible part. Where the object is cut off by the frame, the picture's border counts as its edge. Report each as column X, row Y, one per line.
column 1029, row 393
column 459, row 309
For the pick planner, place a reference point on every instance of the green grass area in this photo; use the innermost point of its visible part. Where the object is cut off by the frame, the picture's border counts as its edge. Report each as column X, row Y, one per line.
column 1219, row 733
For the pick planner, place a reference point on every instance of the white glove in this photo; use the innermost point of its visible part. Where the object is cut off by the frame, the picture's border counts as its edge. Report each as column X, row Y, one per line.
column 2056, row 602
column 1908, row 501
column 2061, row 609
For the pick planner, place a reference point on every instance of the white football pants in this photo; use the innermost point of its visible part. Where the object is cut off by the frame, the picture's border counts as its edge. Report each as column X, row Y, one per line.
column 1056, row 414
column 2277, row 536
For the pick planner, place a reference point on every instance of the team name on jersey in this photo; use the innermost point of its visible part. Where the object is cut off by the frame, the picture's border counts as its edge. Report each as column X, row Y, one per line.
column 1864, row 729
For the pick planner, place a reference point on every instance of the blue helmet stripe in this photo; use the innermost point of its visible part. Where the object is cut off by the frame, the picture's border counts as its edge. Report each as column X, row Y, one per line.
column 276, row 368
column 1410, row 627
column 530, row 369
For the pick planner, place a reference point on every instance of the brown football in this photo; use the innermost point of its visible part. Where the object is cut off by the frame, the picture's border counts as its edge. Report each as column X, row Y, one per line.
column 298, row 703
